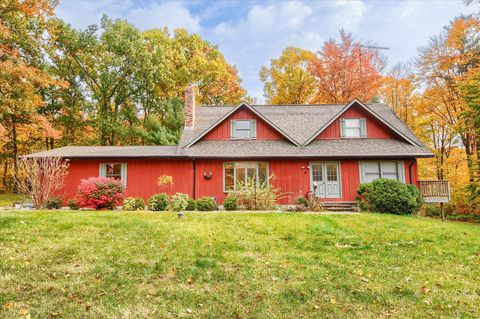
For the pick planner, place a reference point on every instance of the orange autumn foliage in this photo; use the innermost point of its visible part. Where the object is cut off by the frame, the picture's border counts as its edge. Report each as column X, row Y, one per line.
column 344, row 71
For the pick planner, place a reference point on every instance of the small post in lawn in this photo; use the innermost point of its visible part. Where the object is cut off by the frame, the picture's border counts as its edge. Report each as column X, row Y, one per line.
column 442, row 212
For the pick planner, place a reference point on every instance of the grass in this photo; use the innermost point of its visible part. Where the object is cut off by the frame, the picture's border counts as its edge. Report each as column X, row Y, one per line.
column 236, row 265
column 7, row 199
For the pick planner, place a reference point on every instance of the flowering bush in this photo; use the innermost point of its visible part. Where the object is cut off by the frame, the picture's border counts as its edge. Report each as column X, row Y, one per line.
column 100, row 192
column 158, row 202
column 179, row 202
column 133, row 203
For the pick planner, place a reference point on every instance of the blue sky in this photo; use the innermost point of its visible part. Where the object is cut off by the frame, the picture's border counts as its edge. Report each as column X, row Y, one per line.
column 250, row 33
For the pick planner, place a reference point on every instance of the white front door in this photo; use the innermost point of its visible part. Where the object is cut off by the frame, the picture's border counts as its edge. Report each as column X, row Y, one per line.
column 325, row 179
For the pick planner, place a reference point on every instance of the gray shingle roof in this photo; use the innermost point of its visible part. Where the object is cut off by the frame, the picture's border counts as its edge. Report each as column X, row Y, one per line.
column 299, row 122
column 318, row 148
column 110, row 151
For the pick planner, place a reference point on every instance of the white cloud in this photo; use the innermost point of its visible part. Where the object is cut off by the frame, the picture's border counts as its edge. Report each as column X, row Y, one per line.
column 170, row 14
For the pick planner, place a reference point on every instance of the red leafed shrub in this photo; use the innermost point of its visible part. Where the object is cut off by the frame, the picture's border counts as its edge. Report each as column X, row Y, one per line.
column 100, row 192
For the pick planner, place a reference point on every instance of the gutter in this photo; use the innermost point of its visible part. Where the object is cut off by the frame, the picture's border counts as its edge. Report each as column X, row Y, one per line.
column 410, row 170
column 194, row 178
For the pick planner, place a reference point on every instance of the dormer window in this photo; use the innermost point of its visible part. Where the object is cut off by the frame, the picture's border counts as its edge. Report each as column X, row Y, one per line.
column 243, row 129
column 353, row 128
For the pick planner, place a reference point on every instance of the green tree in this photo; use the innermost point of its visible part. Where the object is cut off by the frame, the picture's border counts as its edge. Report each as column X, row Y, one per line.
column 288, row 80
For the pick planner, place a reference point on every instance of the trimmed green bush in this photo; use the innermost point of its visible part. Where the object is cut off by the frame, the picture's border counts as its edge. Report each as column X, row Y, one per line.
column 301, row 201
column 73, row 204
column 230, row 203
column 54, row 203
column 133, row 203
column 179, row 202
column 158, row 202
column 191, row 204
column 389, row 196
column 206, row 203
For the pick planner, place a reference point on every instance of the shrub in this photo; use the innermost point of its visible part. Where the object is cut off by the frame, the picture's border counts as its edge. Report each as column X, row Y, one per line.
column 191, row 204
column 158, row 202
column 73, row 204
column 54, row 203
column 315, row 205
column 259, row 197
column 206, row 203
column 301, row 201
column 230, row 203
column 388, row 196
column 100, row 192
column 179, row 202
column 133, row 203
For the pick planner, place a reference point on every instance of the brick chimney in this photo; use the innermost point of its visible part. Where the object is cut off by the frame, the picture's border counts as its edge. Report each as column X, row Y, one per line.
column 190, row 107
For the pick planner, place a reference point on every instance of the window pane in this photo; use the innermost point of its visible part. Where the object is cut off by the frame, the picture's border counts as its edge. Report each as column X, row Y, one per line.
column 228, row 173
column 371, row 171
column 317, row 173
column 243, row 125
column 242, row 133
column 352, row 132
column 262, row 173
column 240, row 174
column 389, row 167
column 332, row 172
column 352, row 123
column 113, row 170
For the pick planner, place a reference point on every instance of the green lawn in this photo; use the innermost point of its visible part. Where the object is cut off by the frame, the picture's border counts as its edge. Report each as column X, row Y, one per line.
column 236, row 265
column 7, row 199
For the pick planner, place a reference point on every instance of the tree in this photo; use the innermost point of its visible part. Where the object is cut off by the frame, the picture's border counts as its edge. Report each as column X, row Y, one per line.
column 192, row 60
column 288, row 80
column 443, row 65
column 398, row 90
column 345, row 71
column 42, row 178
column 22, row 74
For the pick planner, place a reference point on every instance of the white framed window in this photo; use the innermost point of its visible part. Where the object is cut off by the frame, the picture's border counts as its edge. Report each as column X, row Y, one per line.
column 243, row 129
column 239, row 172
column 114, row 170
column 372, row 170
column 353, row 128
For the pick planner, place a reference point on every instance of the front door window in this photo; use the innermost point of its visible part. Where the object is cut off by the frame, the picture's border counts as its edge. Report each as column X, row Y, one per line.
column 325, row 177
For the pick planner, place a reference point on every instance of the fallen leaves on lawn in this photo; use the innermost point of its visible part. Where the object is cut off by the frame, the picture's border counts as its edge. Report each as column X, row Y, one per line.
column 8, row 305
column 425, row 290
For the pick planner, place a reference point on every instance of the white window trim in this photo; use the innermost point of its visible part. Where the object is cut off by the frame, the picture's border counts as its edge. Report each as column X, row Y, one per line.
column 253, row 129
column 123, row 171
column 235, row 173
column 362, row 128
column 400, row 167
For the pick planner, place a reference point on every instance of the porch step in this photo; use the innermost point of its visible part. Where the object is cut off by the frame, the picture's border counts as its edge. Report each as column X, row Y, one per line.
column 341, row 206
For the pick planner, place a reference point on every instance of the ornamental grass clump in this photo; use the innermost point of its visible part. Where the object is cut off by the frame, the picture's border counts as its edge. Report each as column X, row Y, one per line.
column 256, row 196
column 100, row 193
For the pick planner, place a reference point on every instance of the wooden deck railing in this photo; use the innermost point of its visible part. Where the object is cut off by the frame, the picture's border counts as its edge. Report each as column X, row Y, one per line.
column 435, row 191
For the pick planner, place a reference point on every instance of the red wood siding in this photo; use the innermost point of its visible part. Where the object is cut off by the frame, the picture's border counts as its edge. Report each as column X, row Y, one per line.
column 264, row 130
column 375, row 129
column 142, row 176
column 291, row 176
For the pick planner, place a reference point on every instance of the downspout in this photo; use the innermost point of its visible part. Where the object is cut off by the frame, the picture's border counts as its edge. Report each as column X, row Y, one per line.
column 194, row 177
column 410, row 170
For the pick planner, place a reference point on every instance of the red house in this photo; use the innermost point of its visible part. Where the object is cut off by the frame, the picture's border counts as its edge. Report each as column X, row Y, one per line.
column 326, row 149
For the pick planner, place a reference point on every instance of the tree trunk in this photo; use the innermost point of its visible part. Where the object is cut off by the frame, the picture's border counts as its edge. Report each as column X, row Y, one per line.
column 15, row 154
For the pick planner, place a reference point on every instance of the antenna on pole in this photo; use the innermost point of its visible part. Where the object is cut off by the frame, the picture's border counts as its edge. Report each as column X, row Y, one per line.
column 371, row 47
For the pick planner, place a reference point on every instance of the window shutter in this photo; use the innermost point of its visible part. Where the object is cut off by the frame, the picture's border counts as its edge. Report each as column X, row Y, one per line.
column 363, row 127
column 102, row 172
column 253, row 129
column 124, row 174
column 342, row 127
column 233, row 126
